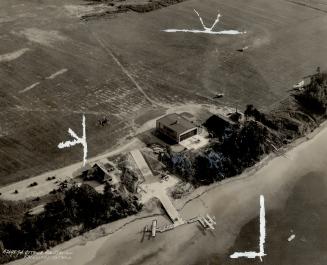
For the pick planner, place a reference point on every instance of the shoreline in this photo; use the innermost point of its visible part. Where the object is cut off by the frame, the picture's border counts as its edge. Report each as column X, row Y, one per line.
column 112, row 229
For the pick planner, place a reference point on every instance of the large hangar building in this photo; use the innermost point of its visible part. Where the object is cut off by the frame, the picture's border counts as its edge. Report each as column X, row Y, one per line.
column 176, row 127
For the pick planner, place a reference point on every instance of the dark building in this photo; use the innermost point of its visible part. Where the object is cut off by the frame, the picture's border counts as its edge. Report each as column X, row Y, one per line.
column 176, row 127
column 218, row 126
column 98, row 172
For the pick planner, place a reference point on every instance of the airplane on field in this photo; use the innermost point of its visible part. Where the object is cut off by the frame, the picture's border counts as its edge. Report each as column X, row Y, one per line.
column 242, row 49
column 299, row 85
column 219, row 95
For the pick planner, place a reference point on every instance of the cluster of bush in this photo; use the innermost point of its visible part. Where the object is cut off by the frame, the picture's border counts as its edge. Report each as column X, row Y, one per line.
column 314, row 95
column 79, row 209
column 129, row 179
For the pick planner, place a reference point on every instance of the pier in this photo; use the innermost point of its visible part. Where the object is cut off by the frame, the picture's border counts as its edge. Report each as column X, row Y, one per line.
column 169, row 208
column 206, row 222
column 159, row 193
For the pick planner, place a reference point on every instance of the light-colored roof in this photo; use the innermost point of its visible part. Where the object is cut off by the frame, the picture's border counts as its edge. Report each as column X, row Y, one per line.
column 176, row 122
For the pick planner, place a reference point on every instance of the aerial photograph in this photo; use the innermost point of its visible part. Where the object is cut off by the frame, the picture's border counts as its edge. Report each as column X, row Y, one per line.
column 154, row 132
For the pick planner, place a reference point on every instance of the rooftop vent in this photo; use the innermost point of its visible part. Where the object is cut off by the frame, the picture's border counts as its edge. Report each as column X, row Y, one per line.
column 175, row 122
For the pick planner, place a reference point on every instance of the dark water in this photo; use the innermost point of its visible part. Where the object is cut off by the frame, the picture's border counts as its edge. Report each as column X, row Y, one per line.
column 304, row 215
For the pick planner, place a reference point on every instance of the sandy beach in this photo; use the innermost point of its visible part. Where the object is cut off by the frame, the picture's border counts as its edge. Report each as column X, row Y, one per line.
column 289, row 184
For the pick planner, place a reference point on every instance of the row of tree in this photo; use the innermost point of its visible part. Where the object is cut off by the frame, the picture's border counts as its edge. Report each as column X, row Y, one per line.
column 79, row 209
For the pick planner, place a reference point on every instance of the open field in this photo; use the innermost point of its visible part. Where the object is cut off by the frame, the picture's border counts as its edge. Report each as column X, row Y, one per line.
column 54, row 67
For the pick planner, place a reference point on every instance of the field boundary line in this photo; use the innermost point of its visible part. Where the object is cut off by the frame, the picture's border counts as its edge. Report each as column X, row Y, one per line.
column 123, row 68
column 306, row 5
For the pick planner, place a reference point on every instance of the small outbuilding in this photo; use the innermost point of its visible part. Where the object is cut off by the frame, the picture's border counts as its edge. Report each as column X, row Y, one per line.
column 176, row 127
column 98, row 172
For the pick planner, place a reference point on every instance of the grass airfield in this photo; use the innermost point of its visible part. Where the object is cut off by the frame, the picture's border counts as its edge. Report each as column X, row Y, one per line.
column 54, row 67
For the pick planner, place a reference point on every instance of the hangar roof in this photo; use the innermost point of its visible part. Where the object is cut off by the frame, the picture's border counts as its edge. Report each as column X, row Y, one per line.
column 176, row 122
